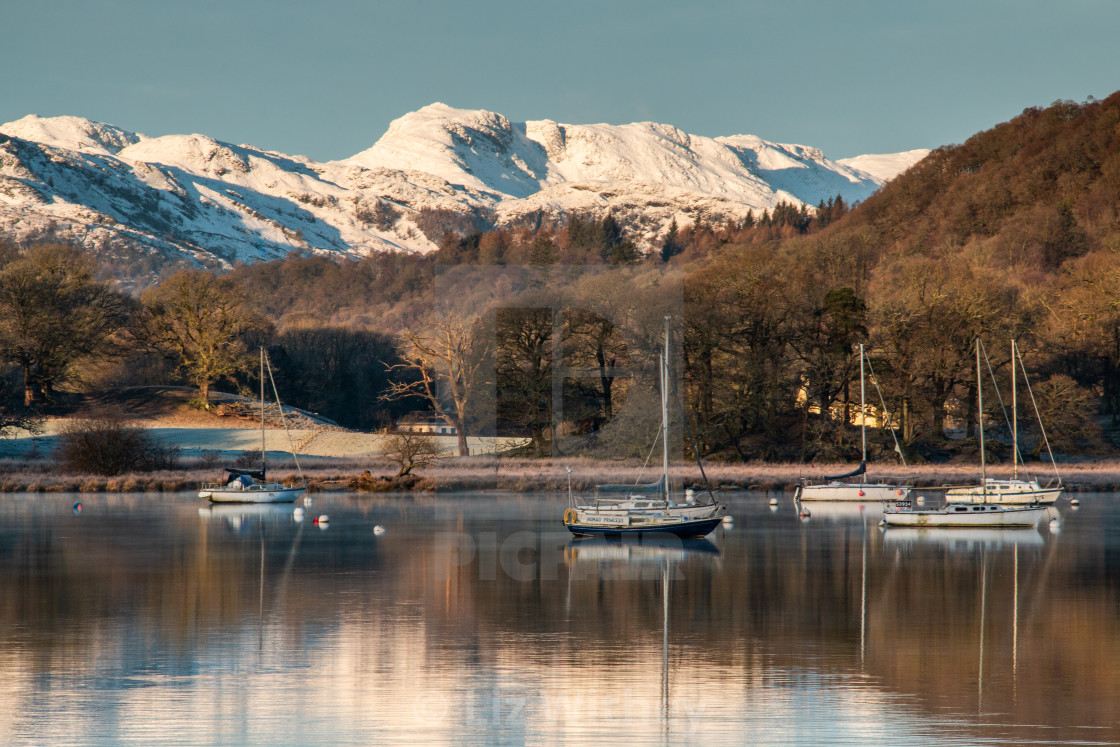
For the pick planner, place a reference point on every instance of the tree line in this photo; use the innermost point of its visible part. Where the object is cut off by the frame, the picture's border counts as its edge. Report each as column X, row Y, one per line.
column 62, row 330
column 1011, row 235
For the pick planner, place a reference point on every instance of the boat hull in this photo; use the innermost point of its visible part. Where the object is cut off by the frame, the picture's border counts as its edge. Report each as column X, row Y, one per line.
column 842, row 491
column 693, row 528
column 254, row 494
column 967, row 515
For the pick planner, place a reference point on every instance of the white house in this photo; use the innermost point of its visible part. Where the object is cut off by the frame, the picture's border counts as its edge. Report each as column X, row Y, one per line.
column 425, row 422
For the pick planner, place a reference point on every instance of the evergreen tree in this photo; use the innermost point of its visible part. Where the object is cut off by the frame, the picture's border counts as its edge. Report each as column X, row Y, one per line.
column 671, row 246
column 626, row 252
column 543, row 251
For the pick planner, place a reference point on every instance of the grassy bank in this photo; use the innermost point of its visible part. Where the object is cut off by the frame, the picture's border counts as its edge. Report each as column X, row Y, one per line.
column 482, row 473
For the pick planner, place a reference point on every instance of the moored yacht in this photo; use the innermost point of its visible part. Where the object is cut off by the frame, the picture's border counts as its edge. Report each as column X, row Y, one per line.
column 649, row 508
column 836, row 488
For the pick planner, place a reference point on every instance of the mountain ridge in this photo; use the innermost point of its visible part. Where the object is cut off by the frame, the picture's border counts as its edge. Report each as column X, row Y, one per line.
column 178, row 199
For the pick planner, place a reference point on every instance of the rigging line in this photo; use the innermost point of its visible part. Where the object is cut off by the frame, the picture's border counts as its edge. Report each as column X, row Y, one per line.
column 1038, row 415
column 695, row 448
column 663, row 432
column 649, row 456
column 887, row 412
column 1002, row 406
column 282, row 419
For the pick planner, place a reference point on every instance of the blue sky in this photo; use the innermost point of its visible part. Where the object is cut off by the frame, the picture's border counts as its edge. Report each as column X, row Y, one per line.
column 325, row 78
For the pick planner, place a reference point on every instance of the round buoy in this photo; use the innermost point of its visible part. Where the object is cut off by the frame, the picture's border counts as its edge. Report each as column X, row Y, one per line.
column 322, row 519
column 1074, row 502
column 861, row 494
column 1055, row 526
column 307, row 501
column 77, row 507
column 900, row 492
column 921, row 501
column 805, row 514
column 297, row 514
column 728, row 519
column 773, row 501
column 379, row 530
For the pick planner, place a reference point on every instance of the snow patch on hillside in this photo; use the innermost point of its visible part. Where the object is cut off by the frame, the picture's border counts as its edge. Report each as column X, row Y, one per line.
column 885, row 166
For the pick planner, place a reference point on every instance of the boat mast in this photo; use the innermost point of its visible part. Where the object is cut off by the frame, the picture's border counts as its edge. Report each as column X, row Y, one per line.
column 665, row 411
column 1014, row 419
column 862, row 410
column 980, row 418
column 262, row 409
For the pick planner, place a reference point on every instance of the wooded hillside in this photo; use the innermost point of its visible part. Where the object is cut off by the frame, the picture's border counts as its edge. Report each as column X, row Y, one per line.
column 1013, row 234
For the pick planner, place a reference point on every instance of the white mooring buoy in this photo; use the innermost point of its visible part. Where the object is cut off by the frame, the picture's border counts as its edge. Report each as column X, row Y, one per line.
column 379, row 530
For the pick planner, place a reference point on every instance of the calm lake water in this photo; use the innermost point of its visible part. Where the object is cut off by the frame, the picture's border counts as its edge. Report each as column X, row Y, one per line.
column 476, row 619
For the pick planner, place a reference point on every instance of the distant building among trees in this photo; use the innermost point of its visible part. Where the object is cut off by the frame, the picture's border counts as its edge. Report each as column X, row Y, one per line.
column 425, row 422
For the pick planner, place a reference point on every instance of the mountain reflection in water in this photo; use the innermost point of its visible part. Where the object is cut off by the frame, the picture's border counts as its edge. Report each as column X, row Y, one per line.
column 477, row 618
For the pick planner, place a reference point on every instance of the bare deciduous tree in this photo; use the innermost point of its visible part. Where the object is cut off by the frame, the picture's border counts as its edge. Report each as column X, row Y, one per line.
column 445, row 362
column 201, row 320
column 410, row 450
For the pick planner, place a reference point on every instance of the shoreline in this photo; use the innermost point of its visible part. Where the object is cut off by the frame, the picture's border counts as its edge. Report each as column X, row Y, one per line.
column 490, row 473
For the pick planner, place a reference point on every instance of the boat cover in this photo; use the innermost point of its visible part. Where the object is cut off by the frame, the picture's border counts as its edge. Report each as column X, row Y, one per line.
column 233, row 473
column 857, row 471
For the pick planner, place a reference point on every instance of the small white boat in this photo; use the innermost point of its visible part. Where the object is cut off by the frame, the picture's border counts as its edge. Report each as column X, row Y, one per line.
column 837, row 490
column 854, row 492
column 972, row 513
column 243, row 486
column 1016, row 491
column 252, row 486
column 901, row 514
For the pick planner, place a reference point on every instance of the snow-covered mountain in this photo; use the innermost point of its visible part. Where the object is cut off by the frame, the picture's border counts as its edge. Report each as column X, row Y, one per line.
column 885, row 166
column 191, row 198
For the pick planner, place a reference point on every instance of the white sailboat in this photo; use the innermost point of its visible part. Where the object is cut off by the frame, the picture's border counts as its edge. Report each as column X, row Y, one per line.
column 970, row 513
column 253, row 486
column 647, row 508
column 838, row 490
column 964, row 515
column 1015, row 491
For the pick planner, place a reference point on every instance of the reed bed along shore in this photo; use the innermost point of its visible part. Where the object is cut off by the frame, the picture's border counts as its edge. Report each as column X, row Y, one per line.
column 488, row 473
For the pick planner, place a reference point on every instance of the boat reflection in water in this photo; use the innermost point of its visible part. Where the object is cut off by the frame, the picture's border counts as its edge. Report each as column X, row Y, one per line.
column 963, row 537
column 846, row 510
column 660, row 551
column 239, row 515
column 649, row 548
